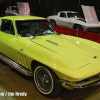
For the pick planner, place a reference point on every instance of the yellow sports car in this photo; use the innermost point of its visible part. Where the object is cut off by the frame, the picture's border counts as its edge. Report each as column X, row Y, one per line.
column 30, row 45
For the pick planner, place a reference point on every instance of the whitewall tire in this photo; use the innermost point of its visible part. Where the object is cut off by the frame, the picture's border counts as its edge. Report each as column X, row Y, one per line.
column 46, row 82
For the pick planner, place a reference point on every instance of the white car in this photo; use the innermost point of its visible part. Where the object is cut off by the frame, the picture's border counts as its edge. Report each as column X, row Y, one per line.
column 73, row 20
column 11, row 10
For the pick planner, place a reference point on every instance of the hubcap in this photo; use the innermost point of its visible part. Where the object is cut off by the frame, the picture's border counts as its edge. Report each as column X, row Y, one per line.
column 44, row 80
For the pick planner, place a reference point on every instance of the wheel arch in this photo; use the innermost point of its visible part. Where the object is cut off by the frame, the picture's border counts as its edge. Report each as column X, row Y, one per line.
column 78, row 25
column 53, row 20
column 34, row 63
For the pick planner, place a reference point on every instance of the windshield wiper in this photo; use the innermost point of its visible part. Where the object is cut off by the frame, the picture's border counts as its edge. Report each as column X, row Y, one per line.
column 32, row 37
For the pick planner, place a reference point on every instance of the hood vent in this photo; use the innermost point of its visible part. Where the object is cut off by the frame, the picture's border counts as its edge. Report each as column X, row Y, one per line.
column 52, row 42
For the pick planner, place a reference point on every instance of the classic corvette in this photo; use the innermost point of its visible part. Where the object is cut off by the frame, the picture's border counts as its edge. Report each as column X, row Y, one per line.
column 11, row 10
column 30, row 45
column 73, row 20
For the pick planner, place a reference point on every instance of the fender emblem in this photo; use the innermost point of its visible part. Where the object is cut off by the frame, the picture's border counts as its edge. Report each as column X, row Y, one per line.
column 95, row 57
column 22, row 50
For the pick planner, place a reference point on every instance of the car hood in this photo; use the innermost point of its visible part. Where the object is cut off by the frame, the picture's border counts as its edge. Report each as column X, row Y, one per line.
column 81, row 19
column 90, row 14
column 70, row 48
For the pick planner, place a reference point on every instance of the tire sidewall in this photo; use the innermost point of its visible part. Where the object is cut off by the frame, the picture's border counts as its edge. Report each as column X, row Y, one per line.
column 36, row 81
column 53, row 22
column 56, row 85
column 78, row 27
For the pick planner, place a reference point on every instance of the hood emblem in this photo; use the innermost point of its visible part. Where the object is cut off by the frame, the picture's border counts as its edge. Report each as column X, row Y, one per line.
column 95, row 57
column 52, row 42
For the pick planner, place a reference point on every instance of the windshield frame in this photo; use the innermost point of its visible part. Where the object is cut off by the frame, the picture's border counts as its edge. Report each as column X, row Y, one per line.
column 72, row 15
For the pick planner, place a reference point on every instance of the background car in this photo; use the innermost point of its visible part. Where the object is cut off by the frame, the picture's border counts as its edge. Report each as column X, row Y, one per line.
column 73, row 20
column 12, row 10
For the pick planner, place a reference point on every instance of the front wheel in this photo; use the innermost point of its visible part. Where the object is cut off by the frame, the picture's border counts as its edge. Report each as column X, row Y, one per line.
column 78, row 27
column 46, row 82
column 53, row 22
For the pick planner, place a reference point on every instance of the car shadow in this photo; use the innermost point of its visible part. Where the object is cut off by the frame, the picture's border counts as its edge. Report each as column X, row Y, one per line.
column 7, row 68
column 79, row 94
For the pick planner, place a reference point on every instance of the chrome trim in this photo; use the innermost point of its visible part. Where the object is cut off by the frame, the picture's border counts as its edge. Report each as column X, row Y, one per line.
column 16, row 66
column 91, row 84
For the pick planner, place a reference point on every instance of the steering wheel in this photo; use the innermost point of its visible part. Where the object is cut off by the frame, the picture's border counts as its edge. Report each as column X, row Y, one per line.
column 26, row 33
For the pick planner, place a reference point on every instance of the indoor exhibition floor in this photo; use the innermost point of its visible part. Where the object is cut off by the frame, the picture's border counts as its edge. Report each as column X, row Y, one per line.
column 15, row 86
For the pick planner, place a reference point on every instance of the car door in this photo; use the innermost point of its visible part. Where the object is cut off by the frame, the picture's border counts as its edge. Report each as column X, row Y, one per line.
column 62, row 19
column 70, row 20
column 7, row 38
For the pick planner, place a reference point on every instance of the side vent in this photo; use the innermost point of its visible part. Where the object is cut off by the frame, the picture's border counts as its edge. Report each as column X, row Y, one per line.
column 52, row 42
column 22, row 59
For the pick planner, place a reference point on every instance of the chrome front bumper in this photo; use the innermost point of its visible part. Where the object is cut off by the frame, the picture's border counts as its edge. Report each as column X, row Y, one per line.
column 92, row 81
column 70, row 87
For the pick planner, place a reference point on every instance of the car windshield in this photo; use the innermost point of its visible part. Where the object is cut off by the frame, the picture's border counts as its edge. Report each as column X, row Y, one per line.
column 29, row 28
column 14, row 8
column 73, row 15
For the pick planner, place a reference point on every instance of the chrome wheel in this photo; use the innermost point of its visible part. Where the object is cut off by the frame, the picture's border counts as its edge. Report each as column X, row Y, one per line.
column 78, row 27
column 46, row 82
column 43, row 80
column 52, row 22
